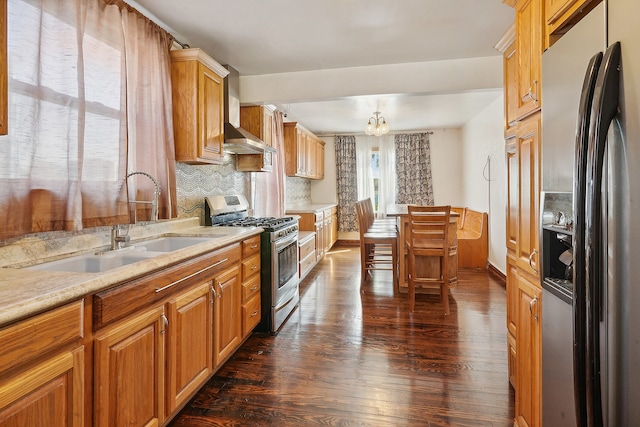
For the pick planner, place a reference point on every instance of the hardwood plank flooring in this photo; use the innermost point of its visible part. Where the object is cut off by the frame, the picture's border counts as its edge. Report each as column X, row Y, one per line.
column 352, row 356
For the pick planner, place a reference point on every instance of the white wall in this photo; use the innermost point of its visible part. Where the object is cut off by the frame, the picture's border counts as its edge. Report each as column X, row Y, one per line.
column 325, row 190
column 483, row 185
column 446, row 167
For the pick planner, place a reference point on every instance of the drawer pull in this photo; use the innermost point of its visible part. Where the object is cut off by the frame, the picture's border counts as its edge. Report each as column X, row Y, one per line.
column 254, row 314
column 191, row 275
column 253, row 288
column 166, row 323
column 254, row 246
column 254, row 266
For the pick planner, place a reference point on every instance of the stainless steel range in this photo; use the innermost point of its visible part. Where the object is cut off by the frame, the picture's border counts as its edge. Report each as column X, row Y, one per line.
column 278, row 260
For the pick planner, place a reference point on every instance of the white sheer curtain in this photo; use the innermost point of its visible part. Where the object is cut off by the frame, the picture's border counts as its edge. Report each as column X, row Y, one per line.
column 90, row 100
column 364, row 150
column 269, row 188
column 387, row 180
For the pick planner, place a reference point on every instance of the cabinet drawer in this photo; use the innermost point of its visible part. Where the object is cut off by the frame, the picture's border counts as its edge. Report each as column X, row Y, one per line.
column 115, row 303
column 250, row 267
column 251, row 246
column 250, row 315
column 307, row 247
column 27, row 340
column 307, row 263
column 250, row 288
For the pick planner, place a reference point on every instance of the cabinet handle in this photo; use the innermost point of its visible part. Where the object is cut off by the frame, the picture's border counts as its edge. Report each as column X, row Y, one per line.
column 533, row 302
column 535, row 251
column 166, row 323
column 254, row 246
column 254, row 314
column 253, row 288
column 213, row 291
column 532, row 95
column 191, row 275
column 219, row 294
column 254, row 266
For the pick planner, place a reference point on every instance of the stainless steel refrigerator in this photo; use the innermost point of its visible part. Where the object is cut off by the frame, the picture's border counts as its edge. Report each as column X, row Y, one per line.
column 591, row 147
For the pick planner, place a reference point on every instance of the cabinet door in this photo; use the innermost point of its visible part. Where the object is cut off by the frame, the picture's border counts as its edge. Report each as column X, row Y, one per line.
column 512, row 286
column 129, row 371
column 301, row 153
column 51, row 394
column 513, row 192
column 320, row 160
column 210, row 98
column 528, row 355
column 511, row 88
column 189, row 348
column 3, row 68
column 528, row 152
column 227, row 315
column 529, row 53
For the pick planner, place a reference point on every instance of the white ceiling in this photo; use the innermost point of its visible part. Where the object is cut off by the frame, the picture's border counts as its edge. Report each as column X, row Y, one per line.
column 284, row 38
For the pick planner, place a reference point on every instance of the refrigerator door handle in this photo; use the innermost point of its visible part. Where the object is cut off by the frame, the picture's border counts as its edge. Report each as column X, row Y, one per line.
column 579, row 317
column 603, row 111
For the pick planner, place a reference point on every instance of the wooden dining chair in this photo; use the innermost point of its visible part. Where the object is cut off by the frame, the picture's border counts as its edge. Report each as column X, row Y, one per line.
column 378, row 246
column 428, row 236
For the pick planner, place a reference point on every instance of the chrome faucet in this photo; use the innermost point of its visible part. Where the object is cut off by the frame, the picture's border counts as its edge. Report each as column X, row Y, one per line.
column 156, row 195
column 117, row 238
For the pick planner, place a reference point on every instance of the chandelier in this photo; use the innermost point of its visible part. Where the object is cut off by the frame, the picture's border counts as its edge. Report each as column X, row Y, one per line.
column 377, row 125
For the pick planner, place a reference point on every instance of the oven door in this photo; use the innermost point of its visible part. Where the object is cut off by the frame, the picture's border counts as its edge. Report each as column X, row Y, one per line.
column 284, row 270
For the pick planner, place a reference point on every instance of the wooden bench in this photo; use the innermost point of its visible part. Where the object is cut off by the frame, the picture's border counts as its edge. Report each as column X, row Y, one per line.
column 473, row 238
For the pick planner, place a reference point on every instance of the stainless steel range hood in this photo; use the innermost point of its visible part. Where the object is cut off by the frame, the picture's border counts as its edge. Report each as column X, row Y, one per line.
column 236, row 139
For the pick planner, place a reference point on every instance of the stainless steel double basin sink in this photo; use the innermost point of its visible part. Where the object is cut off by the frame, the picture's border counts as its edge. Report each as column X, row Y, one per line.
column 108, row 260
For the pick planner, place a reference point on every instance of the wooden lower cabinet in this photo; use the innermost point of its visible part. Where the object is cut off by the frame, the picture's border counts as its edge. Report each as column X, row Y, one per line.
column 512, row 315
column 129, row 371
column 227, row 321
column 529, row 355
column 42, row 367
column 50, row 394
column 189, row 349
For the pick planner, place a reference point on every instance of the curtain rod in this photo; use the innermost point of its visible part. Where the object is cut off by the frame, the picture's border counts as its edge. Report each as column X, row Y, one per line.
column 182, row 45
column 428, row 132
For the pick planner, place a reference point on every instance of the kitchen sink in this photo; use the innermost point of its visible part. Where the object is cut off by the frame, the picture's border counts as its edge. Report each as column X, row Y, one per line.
column 93, row 263
column 108, row 260
column 171, row 243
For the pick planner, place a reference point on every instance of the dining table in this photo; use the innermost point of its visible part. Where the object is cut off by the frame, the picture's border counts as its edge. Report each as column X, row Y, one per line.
column 426, row 266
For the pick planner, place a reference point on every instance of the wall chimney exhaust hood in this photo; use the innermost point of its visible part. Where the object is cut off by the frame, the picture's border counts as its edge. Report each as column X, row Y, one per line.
column 236, row 139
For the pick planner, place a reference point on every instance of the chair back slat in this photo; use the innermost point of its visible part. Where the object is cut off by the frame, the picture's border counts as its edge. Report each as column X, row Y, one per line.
column 429, row 227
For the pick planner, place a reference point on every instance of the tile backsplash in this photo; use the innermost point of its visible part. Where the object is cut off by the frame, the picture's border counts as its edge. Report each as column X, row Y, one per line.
column 194, row 183
column 298, row 191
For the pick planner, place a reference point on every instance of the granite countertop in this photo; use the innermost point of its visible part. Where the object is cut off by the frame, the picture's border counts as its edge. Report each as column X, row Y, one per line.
column 309, row 208
column 26, row 292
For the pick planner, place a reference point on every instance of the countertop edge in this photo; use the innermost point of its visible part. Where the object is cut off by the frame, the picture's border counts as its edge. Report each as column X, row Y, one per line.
column 24, row 293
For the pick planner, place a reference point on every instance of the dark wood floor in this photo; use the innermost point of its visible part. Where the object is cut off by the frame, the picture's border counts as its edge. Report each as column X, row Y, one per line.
column 352, row 356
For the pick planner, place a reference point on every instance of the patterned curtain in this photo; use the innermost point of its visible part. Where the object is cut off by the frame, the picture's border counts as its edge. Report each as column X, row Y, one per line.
column 413, row 169
column 347, row 180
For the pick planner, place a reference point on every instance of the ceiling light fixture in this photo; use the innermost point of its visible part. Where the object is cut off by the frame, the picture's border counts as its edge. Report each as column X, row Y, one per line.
column 377, row 125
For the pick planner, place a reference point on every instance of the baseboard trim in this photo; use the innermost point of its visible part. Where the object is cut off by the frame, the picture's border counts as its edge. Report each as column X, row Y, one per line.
column 494, row 271
column 348, row 242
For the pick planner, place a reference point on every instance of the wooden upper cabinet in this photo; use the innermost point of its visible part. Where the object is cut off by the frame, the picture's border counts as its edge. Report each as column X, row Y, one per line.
column 561, row 15
column 3, row 68
column 303, row 157
column 529, row 46
column 507, row 46
column 258, row 120
column 198, row 108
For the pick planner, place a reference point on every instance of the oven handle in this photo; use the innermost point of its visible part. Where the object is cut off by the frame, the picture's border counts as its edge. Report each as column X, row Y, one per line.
column 285, row 241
